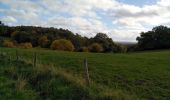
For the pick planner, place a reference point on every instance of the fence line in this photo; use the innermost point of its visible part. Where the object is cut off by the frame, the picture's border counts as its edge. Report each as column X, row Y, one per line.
column 34, row 62
column 86, row 72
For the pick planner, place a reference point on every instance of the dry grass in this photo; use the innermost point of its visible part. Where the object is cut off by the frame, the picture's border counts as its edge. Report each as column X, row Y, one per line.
column 95, row 90
column 20, row 84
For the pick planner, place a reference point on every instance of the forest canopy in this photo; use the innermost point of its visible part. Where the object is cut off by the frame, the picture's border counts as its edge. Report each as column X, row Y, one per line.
column 15, row 36
column 44, row 37
column 157, row 38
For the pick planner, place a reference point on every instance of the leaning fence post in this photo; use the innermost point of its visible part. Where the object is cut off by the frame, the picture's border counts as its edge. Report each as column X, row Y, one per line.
column 86, row 72
column 35, row 59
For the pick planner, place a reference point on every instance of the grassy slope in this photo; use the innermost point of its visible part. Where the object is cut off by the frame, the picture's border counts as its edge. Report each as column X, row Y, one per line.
column 21, row 81
column 146, row 75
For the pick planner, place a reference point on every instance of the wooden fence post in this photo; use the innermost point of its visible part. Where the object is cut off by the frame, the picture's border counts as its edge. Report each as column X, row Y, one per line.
column 35, row 59
column 86, row 72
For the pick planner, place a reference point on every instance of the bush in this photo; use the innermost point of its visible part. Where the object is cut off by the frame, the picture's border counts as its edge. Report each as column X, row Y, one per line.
column 95, row 47
column 118, row 48
column 25, row 45
column 83, row 49
column 43, row 41
column 22, row 36
column 62, row 44
column 9, row 44
column 1, row 41
column 123, row 49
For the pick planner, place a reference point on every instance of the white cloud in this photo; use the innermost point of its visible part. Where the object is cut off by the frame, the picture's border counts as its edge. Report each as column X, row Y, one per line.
column 9, row 19
column 86, row 27
column 83, row 16
column 133, row 19
column 123, row 35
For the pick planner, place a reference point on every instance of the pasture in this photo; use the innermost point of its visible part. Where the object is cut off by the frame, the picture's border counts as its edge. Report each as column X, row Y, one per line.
column 142, row 75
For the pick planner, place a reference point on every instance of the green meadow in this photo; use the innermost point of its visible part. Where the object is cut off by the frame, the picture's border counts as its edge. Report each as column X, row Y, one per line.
column 60, row 75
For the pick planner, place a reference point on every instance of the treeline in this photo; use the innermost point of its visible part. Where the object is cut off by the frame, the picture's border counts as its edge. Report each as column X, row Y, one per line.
column 63, row 39
column 157, row 38
column 56, row 39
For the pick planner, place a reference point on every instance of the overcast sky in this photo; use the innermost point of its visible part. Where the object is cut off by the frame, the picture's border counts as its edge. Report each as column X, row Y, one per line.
column 122, row 20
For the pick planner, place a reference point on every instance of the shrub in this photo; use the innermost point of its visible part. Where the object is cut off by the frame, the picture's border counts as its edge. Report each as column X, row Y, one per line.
column 21, row 36
column 43, row 41
column 1, row 41
column 9, row 44
column 83, row 49
column 62, row 44
column 95, row 47
column 118, row 48
column 25, row 45
column 123, row 49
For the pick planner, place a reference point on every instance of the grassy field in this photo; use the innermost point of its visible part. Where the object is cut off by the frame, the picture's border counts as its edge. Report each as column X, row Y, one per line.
column 144, row 75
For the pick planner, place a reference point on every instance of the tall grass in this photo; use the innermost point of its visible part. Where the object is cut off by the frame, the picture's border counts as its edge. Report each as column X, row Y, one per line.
column 52, row 82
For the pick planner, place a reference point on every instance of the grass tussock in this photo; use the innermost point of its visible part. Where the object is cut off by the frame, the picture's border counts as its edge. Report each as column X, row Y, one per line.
column 21, row 84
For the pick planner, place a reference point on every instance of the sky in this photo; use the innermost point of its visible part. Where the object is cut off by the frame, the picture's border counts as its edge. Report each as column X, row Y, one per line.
column 121, row 20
